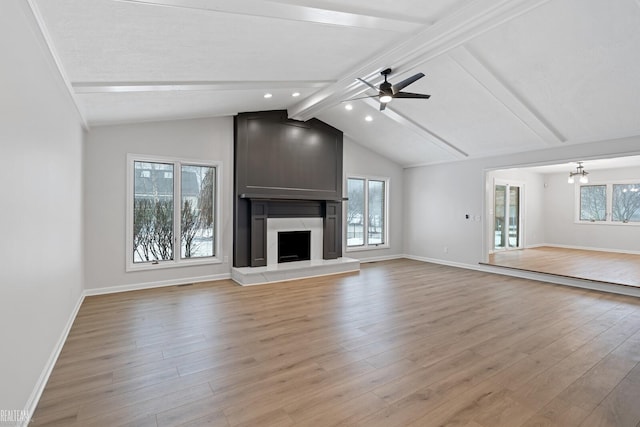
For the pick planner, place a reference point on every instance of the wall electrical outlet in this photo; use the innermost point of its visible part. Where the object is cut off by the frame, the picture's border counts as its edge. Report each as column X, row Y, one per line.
column 446, row 249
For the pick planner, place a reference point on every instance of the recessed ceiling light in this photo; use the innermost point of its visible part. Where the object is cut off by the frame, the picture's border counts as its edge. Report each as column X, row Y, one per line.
column 295, row 94
column 268, row 95
column 369, row 118
column 348, row 107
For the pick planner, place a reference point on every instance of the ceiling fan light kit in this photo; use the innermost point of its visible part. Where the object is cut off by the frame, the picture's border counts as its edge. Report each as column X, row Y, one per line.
column 387, row 91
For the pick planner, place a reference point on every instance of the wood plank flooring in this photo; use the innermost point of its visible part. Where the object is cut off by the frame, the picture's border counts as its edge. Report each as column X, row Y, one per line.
column 402, row 343
column 608, row 267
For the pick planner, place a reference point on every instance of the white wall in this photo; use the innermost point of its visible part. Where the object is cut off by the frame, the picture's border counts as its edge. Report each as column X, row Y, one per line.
column 438, row 196
column 105, row 195
column 41, row 216
column 560, row 207
column 359, row 160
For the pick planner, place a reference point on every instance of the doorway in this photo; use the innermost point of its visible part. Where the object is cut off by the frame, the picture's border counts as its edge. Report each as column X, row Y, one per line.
column 507, row 228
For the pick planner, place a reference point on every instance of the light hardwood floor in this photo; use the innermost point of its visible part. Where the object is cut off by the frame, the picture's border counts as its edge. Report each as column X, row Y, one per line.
column 607, row 267
column 402, row 343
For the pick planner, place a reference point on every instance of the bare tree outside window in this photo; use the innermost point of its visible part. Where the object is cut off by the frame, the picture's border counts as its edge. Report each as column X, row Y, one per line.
column 355, row 212
column 153, row 212
column 197, row 192
column 366, row 212
column 376, row 213
column 154, row 217
column 626, row 203
column 593, row 203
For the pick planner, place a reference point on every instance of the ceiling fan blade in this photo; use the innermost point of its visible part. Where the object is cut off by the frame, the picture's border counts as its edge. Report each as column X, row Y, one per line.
column 406, row 82
column 411, row 95
column 383, row 105
column 367, row 83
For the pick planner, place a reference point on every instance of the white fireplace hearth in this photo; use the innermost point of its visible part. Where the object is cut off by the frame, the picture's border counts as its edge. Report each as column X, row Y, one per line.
column 278, row 272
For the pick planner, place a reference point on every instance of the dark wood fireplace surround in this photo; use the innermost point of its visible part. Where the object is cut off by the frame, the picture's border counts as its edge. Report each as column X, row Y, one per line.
column 284, row 169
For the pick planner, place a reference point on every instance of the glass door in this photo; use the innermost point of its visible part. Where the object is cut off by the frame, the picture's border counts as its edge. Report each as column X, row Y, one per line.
column 507, row 225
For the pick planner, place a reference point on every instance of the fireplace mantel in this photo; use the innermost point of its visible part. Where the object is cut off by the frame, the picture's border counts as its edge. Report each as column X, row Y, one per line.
column 257, row 196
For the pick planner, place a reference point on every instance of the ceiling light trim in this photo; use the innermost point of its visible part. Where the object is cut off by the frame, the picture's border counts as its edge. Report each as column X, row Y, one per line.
column 450, row 32
column 290, row 12
column 117, row 87
column 420, row 130
column 497, row 88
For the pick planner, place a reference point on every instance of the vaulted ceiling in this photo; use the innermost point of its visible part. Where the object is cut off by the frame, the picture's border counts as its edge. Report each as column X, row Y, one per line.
column 504, row 76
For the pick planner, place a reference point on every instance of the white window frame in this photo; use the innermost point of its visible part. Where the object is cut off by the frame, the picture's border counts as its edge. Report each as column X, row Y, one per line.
column 367, row 246
column 177, row 260
column 609, row 203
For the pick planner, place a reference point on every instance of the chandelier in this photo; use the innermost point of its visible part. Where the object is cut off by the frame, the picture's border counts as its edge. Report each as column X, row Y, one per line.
column 579, row 172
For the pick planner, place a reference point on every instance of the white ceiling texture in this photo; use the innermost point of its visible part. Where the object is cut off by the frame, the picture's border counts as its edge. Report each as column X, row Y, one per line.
column 504, row 75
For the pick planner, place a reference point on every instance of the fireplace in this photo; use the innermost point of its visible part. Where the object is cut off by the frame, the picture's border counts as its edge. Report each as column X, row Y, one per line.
column 287, row 178
column 293, row 228
column 299, row 228
column 285, row 168
column 294, row 246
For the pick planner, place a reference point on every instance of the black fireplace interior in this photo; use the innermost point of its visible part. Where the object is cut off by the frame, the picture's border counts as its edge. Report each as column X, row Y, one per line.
column 294, row 246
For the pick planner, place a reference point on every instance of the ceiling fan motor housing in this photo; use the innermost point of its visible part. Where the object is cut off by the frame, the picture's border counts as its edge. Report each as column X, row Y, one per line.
column 386, row 89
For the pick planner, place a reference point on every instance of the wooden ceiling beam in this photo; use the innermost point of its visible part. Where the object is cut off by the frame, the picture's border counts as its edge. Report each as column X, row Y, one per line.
column 419, row 129
column 119, row 87
column 450, row 32
column 291, row 12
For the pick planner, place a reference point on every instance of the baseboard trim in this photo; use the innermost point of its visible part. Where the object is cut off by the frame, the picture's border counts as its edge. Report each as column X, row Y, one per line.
column 33, row 400
column 478, row 267
column 540, row 277
column 155, row 284
column 587, row 248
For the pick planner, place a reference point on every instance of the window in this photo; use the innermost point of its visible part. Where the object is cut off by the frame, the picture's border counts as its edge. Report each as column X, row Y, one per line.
column 593, row 202
column 626, row 203
column 171, row 204
column 611, row 203
column 366, row 224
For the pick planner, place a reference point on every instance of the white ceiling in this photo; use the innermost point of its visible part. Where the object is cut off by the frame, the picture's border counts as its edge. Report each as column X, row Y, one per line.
column 505, row 75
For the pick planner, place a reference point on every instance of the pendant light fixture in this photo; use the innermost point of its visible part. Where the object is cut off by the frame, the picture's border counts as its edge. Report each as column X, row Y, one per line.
column 581, row 173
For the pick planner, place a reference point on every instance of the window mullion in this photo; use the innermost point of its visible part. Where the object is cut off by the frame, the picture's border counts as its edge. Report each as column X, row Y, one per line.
column 177, row 210
column 365, row 220
column 609, row 214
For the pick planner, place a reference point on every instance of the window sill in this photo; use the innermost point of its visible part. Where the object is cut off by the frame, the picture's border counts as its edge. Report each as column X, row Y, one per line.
column 365, row 248
column 615, row 224
column 148, row 266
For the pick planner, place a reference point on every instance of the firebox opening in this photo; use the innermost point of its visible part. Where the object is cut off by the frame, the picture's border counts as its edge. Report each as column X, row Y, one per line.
column 294, row 246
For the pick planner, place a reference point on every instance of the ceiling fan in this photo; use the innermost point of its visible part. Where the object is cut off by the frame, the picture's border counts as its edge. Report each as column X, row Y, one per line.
column 388, row 91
